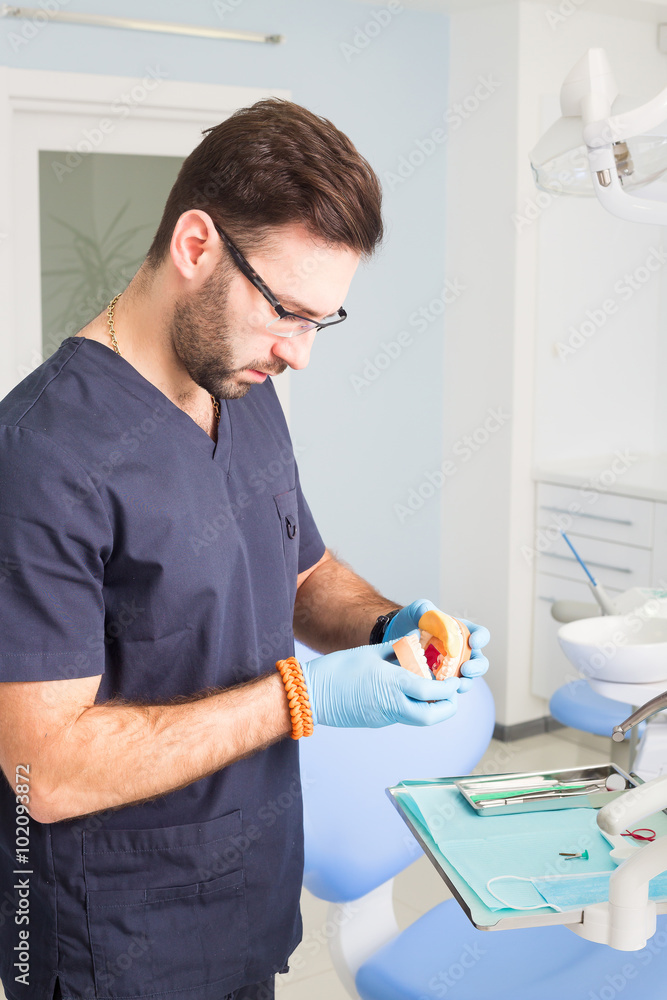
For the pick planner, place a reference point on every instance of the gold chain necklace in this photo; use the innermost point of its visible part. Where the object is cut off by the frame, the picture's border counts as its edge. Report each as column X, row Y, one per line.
column 112, row 331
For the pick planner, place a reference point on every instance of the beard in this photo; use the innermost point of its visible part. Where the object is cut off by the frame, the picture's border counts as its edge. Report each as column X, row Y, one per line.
column 203, row 339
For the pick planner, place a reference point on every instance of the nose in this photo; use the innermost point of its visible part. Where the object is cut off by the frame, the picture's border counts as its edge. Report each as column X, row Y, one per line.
column 294, row 350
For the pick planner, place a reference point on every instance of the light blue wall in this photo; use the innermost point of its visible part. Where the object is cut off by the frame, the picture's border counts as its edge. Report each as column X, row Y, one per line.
column 362, row 450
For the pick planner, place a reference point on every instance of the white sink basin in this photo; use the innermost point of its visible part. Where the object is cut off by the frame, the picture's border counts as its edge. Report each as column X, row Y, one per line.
column 621, row 648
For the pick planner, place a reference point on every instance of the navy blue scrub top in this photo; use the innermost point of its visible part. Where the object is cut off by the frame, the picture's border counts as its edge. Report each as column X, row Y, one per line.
column 135, row 547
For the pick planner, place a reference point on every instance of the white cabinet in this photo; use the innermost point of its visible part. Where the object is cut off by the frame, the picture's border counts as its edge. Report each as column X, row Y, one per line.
column 597, row 515
column 623, row 540
column 660, row 547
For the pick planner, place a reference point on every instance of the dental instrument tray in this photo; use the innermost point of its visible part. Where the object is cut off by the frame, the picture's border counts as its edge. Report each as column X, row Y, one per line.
column 537, row 791
column 468, row 845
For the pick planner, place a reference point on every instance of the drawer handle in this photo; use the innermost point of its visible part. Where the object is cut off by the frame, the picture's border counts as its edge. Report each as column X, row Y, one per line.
column 616, row 569
column 593, row 517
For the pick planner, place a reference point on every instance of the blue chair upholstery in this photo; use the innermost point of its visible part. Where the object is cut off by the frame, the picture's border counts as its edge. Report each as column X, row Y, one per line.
column 442, row 954
column 577, row 705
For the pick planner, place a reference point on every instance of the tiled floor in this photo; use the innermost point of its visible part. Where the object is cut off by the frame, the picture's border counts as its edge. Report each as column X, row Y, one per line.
column 419, row 887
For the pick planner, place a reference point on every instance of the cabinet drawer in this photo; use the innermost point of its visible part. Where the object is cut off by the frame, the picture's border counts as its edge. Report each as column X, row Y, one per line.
column 597, row 515
column 616, row 566
column 660, row 551
column 550, row 667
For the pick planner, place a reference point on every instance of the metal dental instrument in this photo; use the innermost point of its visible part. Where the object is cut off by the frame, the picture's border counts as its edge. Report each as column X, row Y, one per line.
column 504, row 794
column 580, row 788
column 549, row 794
column 651, row 708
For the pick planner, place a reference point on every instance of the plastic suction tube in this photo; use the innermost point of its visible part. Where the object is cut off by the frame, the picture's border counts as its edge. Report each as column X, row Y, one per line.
column 598, row 592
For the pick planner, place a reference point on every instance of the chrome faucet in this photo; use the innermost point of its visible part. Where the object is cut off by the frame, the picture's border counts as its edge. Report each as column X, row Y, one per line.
column 652, row 707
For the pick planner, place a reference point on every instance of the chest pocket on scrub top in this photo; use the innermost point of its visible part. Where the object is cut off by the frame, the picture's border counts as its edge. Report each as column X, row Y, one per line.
column 166, row 907
column 287, row 507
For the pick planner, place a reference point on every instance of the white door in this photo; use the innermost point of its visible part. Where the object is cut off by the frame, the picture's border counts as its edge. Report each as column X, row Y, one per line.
column 86, row 163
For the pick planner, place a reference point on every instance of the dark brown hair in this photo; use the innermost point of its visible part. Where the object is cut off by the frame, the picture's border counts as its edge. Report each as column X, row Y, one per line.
column 271, row 164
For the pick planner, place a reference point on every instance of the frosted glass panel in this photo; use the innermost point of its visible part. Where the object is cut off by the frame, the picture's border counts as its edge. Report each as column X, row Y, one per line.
column 97, row 220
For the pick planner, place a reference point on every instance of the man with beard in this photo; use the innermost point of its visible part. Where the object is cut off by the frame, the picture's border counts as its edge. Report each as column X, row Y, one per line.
column 158, row 557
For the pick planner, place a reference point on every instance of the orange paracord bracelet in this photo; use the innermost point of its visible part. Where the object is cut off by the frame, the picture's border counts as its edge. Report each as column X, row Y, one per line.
column 297, row 696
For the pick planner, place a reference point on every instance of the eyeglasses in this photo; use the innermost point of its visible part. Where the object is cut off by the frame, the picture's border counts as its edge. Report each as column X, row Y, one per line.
column 287, row 324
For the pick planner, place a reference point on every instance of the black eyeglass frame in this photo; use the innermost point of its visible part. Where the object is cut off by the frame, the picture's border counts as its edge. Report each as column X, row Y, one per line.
column 261, row 286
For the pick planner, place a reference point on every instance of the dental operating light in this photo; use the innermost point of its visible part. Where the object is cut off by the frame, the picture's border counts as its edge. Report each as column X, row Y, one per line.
column 605, row 145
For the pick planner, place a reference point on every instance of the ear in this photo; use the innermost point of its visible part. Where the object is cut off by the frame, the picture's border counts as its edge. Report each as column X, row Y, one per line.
column 195, row 245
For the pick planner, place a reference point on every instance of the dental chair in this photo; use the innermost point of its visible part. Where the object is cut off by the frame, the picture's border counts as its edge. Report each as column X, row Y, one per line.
column 356, row 843
column 578, row 706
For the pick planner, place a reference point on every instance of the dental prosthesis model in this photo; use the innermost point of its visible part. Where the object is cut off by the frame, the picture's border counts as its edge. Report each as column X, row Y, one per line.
column 440, row 649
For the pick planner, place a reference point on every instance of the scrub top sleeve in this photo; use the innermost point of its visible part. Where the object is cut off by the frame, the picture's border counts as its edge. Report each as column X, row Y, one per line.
column 55, row 537
column 311, row 546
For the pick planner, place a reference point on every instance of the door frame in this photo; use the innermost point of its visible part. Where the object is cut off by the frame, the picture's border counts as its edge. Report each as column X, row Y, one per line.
column 95, row 113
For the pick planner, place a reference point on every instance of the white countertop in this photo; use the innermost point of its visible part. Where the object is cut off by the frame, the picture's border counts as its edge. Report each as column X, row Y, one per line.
column 622, row 473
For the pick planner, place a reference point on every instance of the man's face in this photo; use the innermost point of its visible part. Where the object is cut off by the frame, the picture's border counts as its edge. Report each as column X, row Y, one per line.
column 219, row 331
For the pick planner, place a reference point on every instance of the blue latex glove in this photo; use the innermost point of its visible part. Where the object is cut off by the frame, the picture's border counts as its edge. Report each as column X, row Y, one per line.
column 363, row 688
column 407, row 620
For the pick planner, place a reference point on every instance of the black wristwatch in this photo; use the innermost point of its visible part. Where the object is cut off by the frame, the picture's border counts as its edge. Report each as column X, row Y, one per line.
column 380, row 627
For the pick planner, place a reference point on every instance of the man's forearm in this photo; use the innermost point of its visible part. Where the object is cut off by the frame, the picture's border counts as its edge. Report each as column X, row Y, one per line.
column 336, row 609
column 118, row 754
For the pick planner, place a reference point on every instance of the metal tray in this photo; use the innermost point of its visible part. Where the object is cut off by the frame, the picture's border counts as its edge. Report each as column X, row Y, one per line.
column 539, row 791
